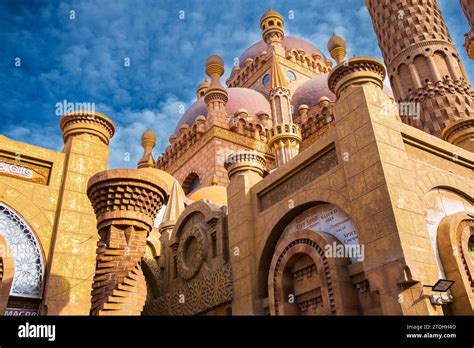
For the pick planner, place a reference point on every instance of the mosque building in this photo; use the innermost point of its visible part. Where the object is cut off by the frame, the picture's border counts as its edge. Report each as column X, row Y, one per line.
column 303, row 185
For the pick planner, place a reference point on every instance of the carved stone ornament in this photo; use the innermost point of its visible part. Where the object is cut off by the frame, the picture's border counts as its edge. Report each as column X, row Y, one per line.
column 192, row 251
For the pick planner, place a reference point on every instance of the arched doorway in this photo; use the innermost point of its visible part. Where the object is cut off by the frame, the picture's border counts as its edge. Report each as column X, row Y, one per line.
column 305, row 280
column 27, row 286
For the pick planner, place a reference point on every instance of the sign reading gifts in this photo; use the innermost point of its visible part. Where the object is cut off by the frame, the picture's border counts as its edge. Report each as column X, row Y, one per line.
column 17, row 170
column 24, row 168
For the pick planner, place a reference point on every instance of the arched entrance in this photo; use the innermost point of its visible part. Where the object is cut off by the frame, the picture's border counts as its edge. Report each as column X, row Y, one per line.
column 27, row 286
column 303, row 280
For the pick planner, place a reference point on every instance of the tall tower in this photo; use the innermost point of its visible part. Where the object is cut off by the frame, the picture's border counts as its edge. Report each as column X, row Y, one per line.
column 468, row 7
column 285, row 136
column 423, row 64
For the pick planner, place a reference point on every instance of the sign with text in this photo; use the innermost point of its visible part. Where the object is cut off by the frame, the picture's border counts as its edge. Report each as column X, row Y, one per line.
column 325, row 218
column 24, row 170
column 24, row 312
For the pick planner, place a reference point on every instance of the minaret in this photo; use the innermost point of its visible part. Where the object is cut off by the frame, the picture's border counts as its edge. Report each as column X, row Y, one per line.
column 148, row 143
column 272, row 26
column 285, row 136
column 215, row 95
column 426, row 73
column 468, row 7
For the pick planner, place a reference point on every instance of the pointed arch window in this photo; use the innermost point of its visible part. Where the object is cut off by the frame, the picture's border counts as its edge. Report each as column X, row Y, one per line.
column 28, row 259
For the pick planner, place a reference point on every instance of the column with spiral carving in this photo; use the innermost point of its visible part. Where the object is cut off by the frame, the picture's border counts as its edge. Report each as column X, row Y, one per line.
column 125, row 202
column 424, row 68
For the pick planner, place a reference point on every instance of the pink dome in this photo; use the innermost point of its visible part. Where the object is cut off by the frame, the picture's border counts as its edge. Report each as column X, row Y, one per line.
column 289, row 42
column 239, row 98
column 310, row 92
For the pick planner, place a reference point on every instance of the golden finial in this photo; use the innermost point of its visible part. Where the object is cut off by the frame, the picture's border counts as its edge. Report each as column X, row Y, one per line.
column 214, row 180
column 337, row 48
column 214, row 69
column 148, row 143
column 215, row 92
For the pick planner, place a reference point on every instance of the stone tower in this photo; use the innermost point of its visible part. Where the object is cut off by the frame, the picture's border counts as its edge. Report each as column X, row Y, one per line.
column 424, row 66
column 285, row 136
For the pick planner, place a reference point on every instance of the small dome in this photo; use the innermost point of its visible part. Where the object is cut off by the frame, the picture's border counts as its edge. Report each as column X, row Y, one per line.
column 214, row 59
column 336, row 41
column 215, row 194
column 239, row 98
column 311, row 91
column 289, row 42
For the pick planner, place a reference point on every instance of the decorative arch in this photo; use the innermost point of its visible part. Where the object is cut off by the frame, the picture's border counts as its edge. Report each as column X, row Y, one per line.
column 301, row 259
column 210, row 211
column 454, row 234
column 25, row 208
column 28, row 257
column 279, row 219
column 439, row 203
column 194, row 240
column 437, row 179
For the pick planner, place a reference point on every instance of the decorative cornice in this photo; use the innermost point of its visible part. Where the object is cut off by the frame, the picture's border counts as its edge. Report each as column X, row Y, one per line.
column 87, row 122
column 459, row 131
column 126, row 194
column 216, row 94
column 438, row 151
column 245, row 161
column 356, row 71
column 440, row 88
column 414, row 48
column 286, row 133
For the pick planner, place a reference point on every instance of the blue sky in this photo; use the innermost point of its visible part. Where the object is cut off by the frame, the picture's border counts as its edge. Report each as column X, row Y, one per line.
column 82, row 59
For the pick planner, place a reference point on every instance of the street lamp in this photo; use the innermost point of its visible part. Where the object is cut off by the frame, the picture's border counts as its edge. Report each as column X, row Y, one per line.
column 442, row 285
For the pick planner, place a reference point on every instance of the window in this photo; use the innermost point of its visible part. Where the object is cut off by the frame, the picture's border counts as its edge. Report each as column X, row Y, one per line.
column 291, row 75
column 191, row 183
column 266, row 79
column 28, row 260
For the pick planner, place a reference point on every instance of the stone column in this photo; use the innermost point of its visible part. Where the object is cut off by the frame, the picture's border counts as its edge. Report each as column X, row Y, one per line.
column 125, row 202
column 245, row 170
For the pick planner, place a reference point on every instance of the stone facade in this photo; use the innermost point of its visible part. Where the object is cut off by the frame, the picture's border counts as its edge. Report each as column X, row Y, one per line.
column 298, row 189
